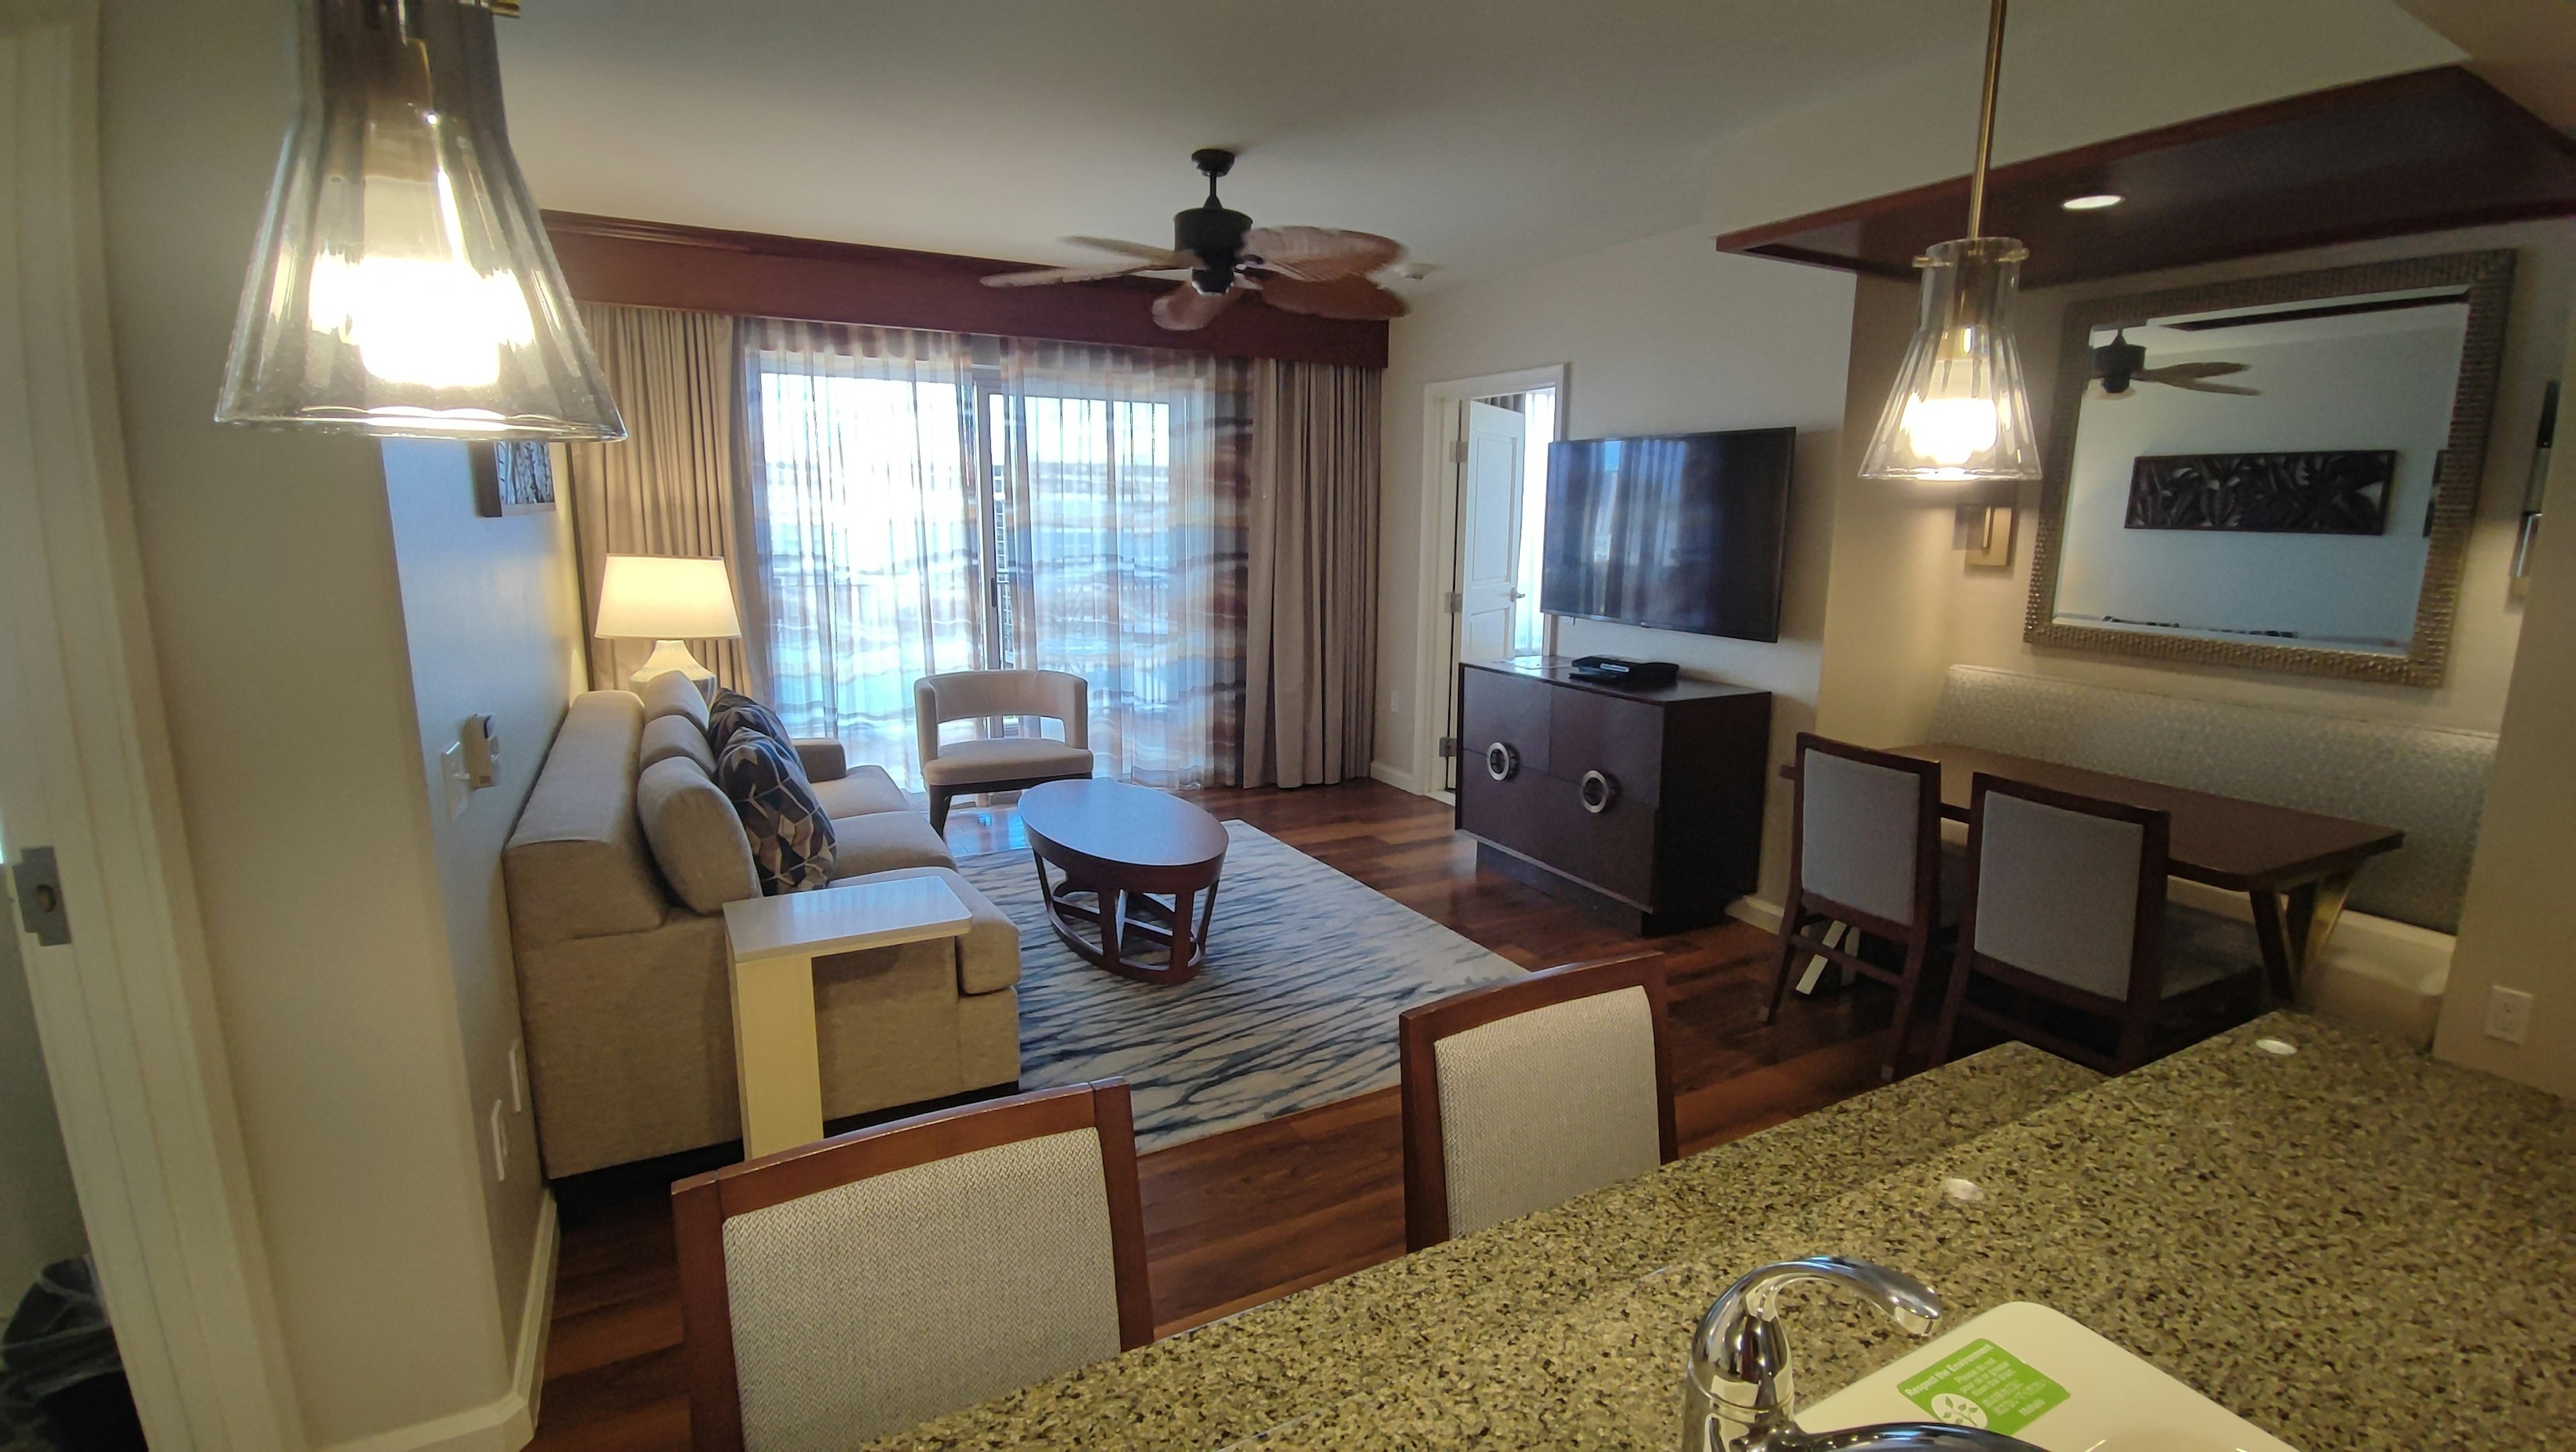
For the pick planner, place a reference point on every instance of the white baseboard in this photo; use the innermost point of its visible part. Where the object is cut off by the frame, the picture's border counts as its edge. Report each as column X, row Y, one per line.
column 1403, row 781
column 507, row 1422
column 1760, row 912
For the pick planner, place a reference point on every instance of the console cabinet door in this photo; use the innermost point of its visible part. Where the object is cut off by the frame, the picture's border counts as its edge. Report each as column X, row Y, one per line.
column 1512, row 710
column 1623, row 740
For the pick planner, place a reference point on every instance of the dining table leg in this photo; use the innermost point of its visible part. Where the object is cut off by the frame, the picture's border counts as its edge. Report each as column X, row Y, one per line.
column 2271, row 932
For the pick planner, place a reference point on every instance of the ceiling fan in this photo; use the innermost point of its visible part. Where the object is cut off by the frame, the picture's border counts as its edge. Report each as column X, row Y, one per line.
column 1318, row 270
column 2119, row 362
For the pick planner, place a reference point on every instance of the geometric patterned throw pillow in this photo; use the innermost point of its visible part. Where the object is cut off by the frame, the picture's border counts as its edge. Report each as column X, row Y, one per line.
column 732, row 711
column 791, row 838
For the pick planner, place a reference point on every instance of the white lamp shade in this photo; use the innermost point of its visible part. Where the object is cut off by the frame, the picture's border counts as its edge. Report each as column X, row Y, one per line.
column 657, row 597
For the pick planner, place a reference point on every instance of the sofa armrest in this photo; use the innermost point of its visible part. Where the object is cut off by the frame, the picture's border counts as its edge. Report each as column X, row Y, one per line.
column 824, row 759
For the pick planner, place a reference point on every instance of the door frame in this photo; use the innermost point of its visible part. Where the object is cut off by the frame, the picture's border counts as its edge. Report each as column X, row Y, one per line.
column 125, row 1010
column 1436, row 632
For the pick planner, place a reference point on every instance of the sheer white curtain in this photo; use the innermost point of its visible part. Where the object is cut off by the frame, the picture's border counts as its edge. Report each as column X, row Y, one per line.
column 935, row 502
column 1119, row 543
column 868, row 524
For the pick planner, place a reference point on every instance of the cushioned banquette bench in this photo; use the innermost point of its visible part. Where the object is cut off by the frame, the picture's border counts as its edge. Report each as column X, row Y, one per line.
column 617, row 876
column 2387, row 962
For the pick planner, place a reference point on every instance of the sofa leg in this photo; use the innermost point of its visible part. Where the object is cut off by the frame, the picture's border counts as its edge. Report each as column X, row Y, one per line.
column 939, row 799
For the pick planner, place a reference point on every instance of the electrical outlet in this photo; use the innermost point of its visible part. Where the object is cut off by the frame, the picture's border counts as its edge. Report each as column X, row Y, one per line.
column 457, row 786
column 518, row 1079
column 2508, row 1014
column 500, row 1144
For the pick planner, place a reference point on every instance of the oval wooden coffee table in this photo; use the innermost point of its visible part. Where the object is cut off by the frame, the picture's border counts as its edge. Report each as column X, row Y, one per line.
column 1126, row 847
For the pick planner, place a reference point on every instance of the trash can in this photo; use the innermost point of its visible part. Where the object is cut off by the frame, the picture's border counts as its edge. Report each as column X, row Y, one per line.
column 62, row 1385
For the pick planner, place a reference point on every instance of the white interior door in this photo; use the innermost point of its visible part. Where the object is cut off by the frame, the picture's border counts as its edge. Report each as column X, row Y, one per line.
column 1489, row 530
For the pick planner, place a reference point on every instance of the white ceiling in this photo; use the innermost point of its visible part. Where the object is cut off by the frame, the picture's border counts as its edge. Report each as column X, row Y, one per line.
column 1484, row 136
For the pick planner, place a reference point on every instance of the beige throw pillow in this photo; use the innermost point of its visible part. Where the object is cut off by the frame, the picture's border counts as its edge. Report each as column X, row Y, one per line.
column 696, row 836
column 674, row 735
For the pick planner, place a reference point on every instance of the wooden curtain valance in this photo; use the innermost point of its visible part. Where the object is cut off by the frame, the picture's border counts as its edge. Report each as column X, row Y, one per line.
column 755, row 274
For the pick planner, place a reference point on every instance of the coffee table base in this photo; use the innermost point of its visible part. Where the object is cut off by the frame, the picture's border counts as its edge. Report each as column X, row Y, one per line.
column 1122, row 916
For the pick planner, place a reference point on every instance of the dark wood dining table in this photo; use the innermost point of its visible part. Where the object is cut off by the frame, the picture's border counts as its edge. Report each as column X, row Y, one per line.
column 2294, row 867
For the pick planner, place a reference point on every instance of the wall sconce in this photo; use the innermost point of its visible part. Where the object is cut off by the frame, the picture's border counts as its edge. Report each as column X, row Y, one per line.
column 1983, row 529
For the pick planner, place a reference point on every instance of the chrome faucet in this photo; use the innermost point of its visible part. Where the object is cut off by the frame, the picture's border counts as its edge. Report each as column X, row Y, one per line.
column 1741, row 1391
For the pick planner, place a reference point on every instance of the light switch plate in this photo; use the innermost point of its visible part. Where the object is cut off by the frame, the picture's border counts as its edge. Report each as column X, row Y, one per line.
column 454, row 784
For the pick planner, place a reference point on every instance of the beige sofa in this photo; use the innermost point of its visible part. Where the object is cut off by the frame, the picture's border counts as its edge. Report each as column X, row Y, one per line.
column 617, row 875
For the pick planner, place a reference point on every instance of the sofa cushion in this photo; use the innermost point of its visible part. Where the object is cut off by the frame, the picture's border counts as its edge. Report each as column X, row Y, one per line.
column 1013, row 758
column 668, row 736
column 791, row 838
column 698, row 839
column 673, row 694
column 577, row 866
column 883, row 841
column 988, row 955
column 865, row 789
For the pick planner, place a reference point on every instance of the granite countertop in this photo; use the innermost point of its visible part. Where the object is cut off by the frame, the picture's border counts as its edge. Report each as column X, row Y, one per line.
column 2353, row 1246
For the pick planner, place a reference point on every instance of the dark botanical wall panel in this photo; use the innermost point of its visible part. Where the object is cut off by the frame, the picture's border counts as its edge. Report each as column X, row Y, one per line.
column 2341, row 491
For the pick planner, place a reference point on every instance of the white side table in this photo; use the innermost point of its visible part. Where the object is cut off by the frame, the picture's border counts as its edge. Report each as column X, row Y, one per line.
column 772, row 943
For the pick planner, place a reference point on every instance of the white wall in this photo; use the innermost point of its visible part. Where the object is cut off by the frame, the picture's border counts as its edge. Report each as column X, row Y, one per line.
column 1886, row 646
column 269, row 580
column 2515, row 928
column 40, row 1220
column 1663, row 335
column 492, row 618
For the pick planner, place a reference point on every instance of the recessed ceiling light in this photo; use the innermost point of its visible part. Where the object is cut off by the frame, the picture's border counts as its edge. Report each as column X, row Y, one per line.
column 2093, row 202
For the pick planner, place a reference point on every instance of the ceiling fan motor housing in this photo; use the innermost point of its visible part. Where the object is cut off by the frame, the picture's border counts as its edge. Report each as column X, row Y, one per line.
column 2117, row 361
column 1214, row 235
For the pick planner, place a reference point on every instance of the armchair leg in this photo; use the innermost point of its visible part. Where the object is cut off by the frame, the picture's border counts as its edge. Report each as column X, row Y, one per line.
column 939, row 799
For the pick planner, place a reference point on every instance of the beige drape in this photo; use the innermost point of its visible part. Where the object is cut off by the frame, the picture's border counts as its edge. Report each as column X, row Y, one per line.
column 1310, row 637
column 669, row 488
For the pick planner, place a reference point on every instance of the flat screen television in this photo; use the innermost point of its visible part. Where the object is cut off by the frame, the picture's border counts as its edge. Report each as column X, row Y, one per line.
column 1676, row 531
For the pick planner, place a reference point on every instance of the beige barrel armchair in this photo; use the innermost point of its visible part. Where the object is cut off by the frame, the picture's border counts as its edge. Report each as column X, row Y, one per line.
column 999, row 764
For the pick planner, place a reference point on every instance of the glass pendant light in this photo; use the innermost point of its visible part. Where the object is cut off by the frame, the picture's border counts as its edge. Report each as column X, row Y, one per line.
column 403, row 283
column 1959, row 410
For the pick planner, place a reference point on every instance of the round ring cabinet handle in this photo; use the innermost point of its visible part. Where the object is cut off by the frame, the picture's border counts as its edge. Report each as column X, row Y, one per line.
column 1502, row 763
column 1597, row 792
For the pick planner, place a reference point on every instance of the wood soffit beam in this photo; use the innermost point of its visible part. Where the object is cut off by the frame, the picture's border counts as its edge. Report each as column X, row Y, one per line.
column 2422, row 151
column 758, row 274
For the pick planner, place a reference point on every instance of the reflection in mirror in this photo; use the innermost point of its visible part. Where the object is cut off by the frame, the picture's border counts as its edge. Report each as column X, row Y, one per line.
column 2263, row 474
column 2274, row 473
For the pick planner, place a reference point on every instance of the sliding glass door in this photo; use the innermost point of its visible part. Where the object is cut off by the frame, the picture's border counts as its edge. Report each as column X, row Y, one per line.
column 926, row 502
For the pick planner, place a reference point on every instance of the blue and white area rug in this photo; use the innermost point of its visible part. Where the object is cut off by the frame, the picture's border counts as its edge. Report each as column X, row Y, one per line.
column 1306, row 970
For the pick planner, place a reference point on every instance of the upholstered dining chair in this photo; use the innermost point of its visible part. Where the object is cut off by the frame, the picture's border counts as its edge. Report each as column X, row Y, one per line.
column 2066, row 907
column 1006, row 763
column 1526, row 1093
column 836, row 1292
column 1864, row 851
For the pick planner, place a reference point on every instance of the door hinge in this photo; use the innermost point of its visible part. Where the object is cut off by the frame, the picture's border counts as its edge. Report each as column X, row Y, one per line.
column 1449, row 746
column 1452, row 602
column 1458, row 451
column 40, row 897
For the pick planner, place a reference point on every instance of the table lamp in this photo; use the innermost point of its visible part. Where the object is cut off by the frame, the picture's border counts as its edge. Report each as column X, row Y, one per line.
column 667, row 601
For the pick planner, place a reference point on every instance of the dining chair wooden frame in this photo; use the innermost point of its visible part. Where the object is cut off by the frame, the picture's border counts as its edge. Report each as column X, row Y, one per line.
column 1420, row 1029
column 701, row 1204
column 1803, row 909
column 2134, row 1018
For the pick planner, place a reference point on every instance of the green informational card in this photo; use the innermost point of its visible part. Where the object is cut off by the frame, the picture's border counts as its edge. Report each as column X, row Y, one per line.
column 1983, row 1385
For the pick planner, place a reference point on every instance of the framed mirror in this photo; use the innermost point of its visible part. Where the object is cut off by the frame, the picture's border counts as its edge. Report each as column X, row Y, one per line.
column 2279, row 473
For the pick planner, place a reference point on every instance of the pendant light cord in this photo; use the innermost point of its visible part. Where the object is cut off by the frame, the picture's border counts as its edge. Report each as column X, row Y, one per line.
column 1986, row 119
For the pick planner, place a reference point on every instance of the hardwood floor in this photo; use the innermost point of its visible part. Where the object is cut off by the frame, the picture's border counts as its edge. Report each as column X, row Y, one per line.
column 1237, row 1219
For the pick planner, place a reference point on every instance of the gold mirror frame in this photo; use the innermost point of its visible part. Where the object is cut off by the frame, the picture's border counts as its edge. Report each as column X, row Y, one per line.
column 2488, row 280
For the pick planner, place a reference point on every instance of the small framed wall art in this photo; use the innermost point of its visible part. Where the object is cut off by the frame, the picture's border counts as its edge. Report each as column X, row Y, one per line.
column 517, row 477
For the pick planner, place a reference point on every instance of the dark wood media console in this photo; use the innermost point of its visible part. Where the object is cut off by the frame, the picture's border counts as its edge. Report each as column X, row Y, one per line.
column 1643, row 806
